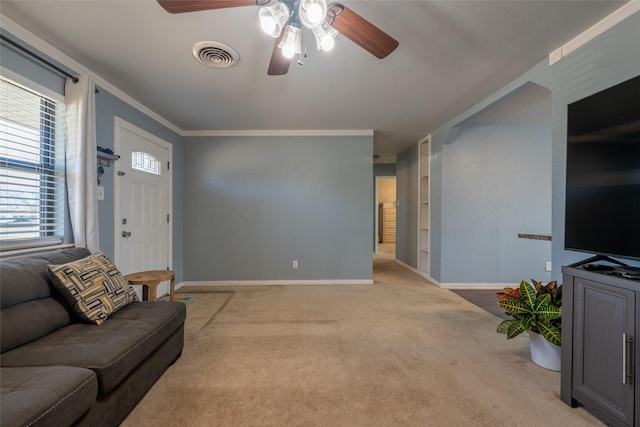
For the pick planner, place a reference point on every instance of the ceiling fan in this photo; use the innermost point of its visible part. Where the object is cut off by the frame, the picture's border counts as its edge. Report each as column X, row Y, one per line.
column 284, row 19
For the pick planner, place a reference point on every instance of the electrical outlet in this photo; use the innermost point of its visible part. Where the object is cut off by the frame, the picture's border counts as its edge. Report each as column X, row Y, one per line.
column 547, row 266
column 294, row 264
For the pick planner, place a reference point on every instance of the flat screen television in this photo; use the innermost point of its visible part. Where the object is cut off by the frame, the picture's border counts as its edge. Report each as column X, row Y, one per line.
column 603, row 172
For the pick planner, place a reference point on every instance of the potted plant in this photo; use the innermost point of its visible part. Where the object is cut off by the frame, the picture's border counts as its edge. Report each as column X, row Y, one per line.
column 535, row 308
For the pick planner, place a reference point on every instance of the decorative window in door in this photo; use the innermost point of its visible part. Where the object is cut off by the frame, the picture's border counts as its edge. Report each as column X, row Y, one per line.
column 145, row 162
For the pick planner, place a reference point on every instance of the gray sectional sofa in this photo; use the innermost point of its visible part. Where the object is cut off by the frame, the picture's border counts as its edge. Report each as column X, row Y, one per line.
column 56, row 370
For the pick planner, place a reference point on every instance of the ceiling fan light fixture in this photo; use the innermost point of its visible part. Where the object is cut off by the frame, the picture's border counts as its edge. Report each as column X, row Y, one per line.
column 312, row 12
column 291, row 42
column 325, row 36
column 273, row 18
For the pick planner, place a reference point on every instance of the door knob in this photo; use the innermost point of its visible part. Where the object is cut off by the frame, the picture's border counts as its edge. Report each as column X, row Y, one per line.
column 126, row 233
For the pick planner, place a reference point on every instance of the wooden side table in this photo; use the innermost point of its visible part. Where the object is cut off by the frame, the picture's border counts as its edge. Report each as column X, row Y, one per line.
column 150, row 281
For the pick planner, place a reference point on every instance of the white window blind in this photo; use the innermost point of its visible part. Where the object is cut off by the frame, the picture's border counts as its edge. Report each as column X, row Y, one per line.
column 31, row 211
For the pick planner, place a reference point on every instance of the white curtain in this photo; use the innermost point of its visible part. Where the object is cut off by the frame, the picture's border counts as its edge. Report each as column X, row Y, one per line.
column 81, row 161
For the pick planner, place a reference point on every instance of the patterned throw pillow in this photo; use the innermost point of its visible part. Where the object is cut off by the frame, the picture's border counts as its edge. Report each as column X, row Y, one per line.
column 93, row 287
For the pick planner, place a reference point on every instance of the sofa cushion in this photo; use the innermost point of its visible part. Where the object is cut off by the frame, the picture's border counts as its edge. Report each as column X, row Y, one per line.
column 113, row 349
column 31, row 306
column 46, row 396
column 93, row 287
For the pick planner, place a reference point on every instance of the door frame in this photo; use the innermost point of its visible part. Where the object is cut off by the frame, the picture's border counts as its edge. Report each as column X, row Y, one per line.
column 120, row 125
column 376, row 218
column 376, row 209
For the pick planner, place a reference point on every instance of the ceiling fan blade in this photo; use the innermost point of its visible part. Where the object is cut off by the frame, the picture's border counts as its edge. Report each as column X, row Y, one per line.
column 182, row 6
column 279, row 65
column 363, row 33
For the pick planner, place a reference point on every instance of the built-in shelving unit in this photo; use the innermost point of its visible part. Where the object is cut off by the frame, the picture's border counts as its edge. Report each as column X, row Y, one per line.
column 424, row 155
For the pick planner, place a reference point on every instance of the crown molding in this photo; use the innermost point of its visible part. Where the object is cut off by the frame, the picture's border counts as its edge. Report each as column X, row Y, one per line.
column 340, row 132
column 36, row 42
column 609, row 21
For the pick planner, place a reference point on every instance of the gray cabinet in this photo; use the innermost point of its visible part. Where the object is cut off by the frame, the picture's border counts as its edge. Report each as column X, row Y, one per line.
column 600, row 321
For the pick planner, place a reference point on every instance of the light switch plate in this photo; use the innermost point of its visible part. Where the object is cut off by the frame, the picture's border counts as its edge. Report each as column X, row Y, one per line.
column 100, row 192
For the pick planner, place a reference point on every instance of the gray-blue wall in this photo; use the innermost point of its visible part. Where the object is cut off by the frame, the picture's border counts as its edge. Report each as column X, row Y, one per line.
column 407, row 210
column 384, row 169
column 603, row 62
column 28, row 67
column 107, row 107
column 255, row 204
column 496, row 184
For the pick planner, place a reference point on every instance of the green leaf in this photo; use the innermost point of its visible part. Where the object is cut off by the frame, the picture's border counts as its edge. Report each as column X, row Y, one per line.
column 549, row 312
column 528, row 293
column 515, row 330
column 527, row 322
column 541, row 301
column 558, row 297
column 503, row 327
column 513, row 305
column 550, row 333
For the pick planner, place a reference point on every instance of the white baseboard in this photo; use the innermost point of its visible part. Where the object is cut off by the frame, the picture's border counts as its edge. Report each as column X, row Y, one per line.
column 275, row 282
column 478, row 286
column 418, row 272
column 459, row 286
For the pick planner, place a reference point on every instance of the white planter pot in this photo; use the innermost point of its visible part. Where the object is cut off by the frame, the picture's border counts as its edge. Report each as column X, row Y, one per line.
column 543, row 353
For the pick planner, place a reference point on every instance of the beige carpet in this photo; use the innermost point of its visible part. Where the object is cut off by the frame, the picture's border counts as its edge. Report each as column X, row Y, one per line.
column 397, row 353
column 201, row 310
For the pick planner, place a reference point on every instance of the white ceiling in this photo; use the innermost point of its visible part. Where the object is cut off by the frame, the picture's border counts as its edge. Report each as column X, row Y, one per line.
column 452, row 54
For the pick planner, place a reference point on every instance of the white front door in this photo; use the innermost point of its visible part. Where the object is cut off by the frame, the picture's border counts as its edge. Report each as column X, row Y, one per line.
column 142, row 202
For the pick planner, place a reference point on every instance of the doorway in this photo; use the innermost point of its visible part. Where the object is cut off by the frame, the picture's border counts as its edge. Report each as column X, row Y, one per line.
column 142, row 202
column 385, row 229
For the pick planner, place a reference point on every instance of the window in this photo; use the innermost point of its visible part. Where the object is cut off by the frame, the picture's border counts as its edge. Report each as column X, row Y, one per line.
column 31, row 192
column 145, row 163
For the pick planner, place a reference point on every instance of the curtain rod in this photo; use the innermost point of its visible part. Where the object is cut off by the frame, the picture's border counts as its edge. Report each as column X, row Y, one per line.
column 39, row 58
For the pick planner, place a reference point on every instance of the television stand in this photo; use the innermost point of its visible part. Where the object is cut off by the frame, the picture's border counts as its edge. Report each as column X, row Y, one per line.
column 600, row 326
column 596, row 259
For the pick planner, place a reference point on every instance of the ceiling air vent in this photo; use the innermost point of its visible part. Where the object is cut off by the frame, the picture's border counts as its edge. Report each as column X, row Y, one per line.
column 215, row 54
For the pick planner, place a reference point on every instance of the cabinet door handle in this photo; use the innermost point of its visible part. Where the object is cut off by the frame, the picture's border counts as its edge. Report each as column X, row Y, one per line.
column 627, row 359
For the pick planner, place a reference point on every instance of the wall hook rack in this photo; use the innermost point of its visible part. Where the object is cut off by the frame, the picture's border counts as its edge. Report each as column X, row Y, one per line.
column 105, row 160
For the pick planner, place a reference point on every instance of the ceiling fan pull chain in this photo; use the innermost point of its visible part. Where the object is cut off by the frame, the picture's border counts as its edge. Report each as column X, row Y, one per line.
column 303, row 54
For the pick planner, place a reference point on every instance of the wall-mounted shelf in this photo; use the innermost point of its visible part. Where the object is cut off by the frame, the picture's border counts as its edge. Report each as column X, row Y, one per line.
column 104, row 161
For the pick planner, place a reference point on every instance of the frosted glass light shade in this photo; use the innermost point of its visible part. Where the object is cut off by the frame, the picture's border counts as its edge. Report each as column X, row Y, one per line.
column 312, row 13
column 291, row 42
column 325, row 36
column 272, row 18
